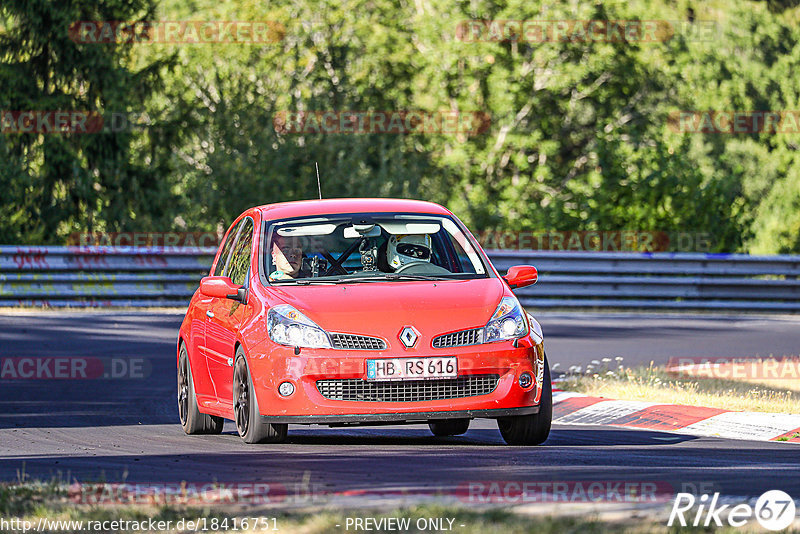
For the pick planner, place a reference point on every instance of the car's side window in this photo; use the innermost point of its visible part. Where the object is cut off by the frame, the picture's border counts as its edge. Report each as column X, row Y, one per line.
column 240, row 256
column 226, row 249
column 437, row 254
column 466, row 265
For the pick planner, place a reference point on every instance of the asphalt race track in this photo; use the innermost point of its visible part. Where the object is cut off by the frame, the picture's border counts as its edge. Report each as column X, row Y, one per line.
column 124, row 428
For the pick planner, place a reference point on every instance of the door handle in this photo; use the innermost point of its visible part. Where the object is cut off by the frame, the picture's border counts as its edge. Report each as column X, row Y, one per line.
column 209, row 314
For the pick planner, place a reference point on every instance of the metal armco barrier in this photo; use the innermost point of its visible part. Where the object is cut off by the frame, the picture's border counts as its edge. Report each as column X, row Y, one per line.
column 658, row 280
column 107, row 276
column 100, row 276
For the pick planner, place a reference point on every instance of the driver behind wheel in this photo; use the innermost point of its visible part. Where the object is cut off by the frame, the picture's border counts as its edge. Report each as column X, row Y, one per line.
column 404, row 250
column 287, row 256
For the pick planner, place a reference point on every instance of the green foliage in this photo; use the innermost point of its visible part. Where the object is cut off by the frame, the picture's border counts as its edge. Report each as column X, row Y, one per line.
column 578, row 139
column 777, row 226
column 327, row 61
column 62, row 183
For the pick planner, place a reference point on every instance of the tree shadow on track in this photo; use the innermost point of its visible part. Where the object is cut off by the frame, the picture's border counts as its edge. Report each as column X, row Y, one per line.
column 389, row 464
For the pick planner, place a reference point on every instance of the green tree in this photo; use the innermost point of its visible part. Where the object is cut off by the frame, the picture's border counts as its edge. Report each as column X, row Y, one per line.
column 579, row 136
column 328, row 59
column 57, row 183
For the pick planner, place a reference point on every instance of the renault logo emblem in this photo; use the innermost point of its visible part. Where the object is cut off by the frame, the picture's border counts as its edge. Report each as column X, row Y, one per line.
column 408, row 336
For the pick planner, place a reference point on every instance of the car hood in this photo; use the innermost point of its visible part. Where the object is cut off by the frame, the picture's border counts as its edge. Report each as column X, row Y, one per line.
column 383, row 308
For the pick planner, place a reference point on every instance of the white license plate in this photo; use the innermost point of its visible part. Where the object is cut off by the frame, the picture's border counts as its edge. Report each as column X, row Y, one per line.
column 410, row 368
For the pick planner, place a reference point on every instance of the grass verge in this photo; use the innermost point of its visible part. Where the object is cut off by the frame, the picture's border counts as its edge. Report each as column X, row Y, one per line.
column 698, row 386
column 32, row 501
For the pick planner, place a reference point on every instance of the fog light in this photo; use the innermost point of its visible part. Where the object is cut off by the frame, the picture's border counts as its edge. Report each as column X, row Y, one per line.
column 525, row 380
column 286, row 389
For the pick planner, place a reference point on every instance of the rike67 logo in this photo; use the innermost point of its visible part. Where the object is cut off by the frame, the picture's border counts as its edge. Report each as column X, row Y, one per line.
column 774, row 510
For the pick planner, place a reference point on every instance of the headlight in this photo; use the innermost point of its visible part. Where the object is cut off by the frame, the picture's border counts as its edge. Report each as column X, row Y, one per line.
column 508, row 322
column 287, row 326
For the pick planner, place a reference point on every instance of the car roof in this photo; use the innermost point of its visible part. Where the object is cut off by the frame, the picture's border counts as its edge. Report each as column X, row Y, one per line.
column 303, row 208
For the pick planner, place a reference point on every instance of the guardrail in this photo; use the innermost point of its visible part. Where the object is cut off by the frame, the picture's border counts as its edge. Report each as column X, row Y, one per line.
column 100, row 276
column 658, row 280
column 107, row 276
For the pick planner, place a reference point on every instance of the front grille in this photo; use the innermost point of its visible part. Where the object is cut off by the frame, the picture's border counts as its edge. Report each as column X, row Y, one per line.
column 354, row 342
column 355, row 389
column 459, row 339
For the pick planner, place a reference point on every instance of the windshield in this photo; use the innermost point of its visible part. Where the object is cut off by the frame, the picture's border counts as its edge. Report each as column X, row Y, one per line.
column 369, row 248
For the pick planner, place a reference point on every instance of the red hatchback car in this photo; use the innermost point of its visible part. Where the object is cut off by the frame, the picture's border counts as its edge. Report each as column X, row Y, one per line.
column 360, row 311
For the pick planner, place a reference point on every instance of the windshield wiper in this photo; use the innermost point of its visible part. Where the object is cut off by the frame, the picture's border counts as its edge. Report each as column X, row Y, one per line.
column 379, row 278
column 399, row 276
column 391, row 276
column 301, row 282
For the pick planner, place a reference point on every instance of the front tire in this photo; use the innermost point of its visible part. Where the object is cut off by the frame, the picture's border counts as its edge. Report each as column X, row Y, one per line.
column 192, row 421
column 245, row 408
column 531, row 429
column 449, row 427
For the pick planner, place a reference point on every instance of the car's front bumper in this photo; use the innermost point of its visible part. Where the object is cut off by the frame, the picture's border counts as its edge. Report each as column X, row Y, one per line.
column 397, row 418
column 308, row 405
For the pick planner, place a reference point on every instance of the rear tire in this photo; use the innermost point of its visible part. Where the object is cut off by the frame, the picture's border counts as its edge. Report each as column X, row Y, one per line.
column 245, row 408
column 531, row 429
column 449, row 427
column 192, row 421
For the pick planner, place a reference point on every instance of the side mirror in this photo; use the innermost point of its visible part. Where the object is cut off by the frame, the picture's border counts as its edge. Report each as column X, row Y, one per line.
column 521, row 276
column 222, row 287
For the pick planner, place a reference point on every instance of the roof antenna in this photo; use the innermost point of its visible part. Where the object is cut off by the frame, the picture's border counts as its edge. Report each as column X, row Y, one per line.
column 319, row 187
